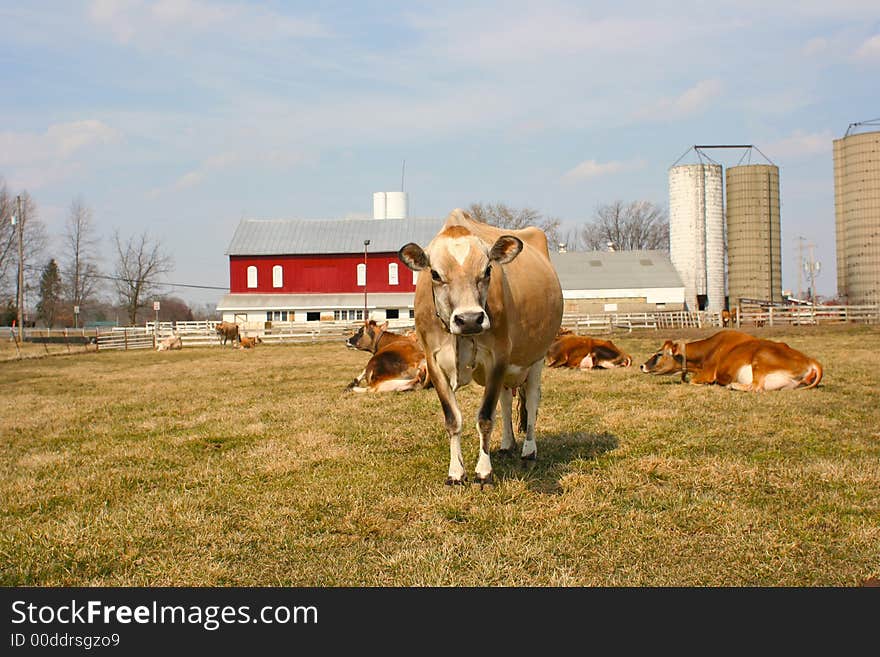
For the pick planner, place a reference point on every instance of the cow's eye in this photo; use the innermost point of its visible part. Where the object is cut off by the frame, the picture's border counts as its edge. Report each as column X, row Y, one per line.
column 436, row 276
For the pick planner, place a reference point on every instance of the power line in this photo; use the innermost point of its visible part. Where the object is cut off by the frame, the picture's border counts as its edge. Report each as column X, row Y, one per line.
column 133, row 280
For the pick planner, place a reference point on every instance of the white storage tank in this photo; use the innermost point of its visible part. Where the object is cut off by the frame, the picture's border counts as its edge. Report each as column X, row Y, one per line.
column 390, row 205
column 696, row 233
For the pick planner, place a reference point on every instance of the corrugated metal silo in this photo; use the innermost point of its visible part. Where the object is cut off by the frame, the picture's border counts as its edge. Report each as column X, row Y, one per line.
column 754, row 244
column 857, row 215
column 696, row 233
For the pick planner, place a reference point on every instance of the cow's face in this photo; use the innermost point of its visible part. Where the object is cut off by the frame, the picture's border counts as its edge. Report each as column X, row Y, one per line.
column 665, row 361
column 461, row 269
column 367, row 336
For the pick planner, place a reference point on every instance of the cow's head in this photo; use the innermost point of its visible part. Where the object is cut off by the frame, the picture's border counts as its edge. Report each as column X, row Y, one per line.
column 669, row 359
column 367, row 336
column 461, row 266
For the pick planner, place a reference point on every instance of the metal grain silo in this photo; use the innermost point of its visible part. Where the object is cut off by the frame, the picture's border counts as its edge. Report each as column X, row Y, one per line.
column 754, row 244
column 696, row 233
column 390, row 205
column 857, row 216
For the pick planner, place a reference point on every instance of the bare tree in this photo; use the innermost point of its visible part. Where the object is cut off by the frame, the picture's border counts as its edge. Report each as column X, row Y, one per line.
column 34, row 241
column 627, row 227
column 503, row 216
column 80, row 244
column 140, row 261
column 8, row 245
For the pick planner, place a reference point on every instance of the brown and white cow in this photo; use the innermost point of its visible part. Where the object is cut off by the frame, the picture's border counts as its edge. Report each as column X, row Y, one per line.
column 581, row 351
column 397, row 364
column 169, row 343
column 227, row 331
column 487, row 306
column 753, row 364
column 249, row 343
column 699, row 358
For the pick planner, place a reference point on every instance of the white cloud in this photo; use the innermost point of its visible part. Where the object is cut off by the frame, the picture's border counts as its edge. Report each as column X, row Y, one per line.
column 815, row 46
column 692, row 101
column 36, row 160
column 148, row 24
column 799, row 144
column 870, row 49
column 592, row 169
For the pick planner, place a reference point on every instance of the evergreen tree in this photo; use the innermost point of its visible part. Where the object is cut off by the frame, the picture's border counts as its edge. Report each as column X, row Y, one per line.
column 50, row 293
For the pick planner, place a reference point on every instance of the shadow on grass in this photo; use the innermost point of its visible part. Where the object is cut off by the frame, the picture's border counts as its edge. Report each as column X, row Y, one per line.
column 555, row 453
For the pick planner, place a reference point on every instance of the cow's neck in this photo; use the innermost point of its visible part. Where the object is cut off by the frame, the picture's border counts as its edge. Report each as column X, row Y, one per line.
column 385, row 338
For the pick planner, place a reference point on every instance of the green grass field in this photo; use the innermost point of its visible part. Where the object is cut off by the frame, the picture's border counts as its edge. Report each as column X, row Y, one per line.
column 221, row 467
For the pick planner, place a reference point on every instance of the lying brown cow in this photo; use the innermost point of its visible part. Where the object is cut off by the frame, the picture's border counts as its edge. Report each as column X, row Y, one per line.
column 580, row 351
column 398, row 361
column 249, row 343
column 227, row 331
column 738, row 361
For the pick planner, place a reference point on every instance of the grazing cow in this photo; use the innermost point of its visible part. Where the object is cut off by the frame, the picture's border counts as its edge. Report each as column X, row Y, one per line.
column 728, row 318
column 754, row 365
column 699, row 358
column 397, row 364
column 571, row 350
column 249, row 343
column 228, row 331
column 169, row 343
column 487, row 306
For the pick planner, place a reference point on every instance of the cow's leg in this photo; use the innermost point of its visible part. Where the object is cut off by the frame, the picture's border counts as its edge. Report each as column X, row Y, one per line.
column 508, row 438
column 485, row 423
column 533, row 399
column 586, row 362
column 452, row 419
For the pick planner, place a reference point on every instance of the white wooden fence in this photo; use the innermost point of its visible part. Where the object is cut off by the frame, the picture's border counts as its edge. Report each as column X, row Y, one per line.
column 204, row 334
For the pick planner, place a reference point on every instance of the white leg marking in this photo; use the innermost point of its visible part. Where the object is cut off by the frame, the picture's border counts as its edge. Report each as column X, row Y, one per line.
column 533, row 399
column 508, row 441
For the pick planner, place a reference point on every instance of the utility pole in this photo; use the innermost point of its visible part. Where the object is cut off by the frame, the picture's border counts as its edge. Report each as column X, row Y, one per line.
column 812, row 268
column 800, row 266
column 20, row 300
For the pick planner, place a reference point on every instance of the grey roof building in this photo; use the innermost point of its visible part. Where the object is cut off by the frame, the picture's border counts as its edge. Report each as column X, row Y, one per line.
column 256, row 237
column 633, row 281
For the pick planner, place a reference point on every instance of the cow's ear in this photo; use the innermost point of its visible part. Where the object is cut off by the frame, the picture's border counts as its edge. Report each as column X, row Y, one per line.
column 505, row 249
column 413, row 257
column 384, row 325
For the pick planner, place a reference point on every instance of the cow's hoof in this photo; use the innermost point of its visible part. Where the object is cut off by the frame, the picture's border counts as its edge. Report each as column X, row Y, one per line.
column 488, row 480
column 507, row 451
column 456, row 482
column 530, row 457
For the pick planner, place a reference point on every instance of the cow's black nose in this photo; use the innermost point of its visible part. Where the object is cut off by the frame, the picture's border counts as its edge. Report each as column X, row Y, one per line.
column 469, row 322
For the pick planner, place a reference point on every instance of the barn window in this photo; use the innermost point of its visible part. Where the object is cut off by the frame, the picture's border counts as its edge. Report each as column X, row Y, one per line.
column 252, row 276
column 392, row 273
column 412, row 313
column 362, row 274
column 392, row 313
column 313, row 316
column 277, row 276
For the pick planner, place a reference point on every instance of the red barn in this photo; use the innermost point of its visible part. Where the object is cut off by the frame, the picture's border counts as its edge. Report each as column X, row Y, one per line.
column 310, row 271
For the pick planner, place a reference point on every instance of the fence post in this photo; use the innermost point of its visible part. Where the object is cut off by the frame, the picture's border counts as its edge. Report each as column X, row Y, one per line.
column 770, row 315
column 125, row 340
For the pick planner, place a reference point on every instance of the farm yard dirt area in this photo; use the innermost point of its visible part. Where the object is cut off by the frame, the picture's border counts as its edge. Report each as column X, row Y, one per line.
column 212, row 466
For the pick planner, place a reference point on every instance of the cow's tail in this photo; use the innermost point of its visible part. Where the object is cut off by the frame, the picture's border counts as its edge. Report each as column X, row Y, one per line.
column 813, row 375
column 521, row 410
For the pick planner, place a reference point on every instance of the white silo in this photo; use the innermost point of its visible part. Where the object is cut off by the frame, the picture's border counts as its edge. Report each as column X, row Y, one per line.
column 696, row 233
column 390, row 205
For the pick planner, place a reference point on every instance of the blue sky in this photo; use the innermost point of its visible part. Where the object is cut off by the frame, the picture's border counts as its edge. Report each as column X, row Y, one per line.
column 184, row 116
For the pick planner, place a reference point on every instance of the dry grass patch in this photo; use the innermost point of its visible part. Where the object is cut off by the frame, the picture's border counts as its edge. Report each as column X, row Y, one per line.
column 211, row 466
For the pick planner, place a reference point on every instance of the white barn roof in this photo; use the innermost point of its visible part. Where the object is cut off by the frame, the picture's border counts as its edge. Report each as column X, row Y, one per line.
column 255, row 237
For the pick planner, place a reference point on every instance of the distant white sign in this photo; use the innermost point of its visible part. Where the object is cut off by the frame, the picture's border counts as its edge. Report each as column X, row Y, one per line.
column 155, row 305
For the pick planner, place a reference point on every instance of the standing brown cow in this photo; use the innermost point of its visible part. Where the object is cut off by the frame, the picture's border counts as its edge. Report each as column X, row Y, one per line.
column 228, row 331
column 488, row 304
